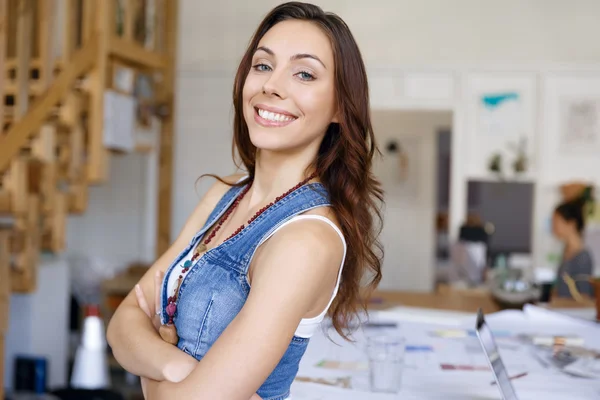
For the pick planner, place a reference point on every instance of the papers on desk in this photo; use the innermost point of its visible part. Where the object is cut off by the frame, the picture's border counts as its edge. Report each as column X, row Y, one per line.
column 584, row 367
column 444, row 359
column 566, row 316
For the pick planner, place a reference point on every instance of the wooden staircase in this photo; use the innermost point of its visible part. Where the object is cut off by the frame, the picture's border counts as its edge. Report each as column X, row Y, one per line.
column 58, row 61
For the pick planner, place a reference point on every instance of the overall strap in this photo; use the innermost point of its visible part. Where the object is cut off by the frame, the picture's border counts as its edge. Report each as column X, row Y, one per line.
column 224, row 203
column 240, row 249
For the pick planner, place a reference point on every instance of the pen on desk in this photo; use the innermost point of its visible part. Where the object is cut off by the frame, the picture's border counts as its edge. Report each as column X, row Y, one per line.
column 512, row 377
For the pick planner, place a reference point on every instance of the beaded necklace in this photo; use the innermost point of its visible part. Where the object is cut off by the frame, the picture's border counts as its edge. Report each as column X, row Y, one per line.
column 168, row 332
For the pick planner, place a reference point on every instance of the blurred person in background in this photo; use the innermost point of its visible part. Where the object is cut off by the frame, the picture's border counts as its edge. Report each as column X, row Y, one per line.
column 474, row 230
column 568, row 225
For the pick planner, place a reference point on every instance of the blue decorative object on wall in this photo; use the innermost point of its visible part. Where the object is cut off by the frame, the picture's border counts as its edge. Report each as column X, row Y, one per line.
column 492, row 101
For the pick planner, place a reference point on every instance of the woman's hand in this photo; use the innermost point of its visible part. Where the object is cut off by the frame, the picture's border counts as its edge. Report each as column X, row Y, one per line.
column 172, row 371
column 154, row 313
column 144, row 383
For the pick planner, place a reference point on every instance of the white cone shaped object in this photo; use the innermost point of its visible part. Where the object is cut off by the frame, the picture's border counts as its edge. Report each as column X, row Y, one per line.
column 90, row 370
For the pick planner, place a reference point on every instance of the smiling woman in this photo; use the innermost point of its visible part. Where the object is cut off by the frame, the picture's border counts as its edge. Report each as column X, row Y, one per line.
column 267, row 255
column 285, row 88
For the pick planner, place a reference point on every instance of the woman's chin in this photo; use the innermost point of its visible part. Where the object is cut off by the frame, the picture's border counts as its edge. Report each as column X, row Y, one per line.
column 269, row 143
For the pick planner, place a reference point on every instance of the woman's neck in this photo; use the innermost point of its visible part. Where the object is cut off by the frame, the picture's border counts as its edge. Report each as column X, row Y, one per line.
column 573, row 245
column 275, row 174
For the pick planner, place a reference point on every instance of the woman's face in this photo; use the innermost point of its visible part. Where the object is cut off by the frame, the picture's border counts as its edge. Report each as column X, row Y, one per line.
column 562, row 228
column 289, row 94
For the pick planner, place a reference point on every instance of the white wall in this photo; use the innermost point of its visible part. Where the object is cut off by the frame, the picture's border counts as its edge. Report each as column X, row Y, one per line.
column 118, row 225
column 203, row 137
column 408, row 234
column 422, row 32
column 427, row 54
column 39, row 324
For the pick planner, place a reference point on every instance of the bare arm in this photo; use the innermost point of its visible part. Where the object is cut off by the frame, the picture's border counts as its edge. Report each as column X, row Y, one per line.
column 294, row 271
column 149, row 311
column 136, row 344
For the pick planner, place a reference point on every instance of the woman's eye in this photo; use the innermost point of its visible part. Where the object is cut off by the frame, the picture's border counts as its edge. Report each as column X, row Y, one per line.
column 305, row 76
column 261, row 67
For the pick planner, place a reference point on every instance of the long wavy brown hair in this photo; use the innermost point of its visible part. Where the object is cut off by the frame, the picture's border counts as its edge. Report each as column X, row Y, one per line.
column 344, row 160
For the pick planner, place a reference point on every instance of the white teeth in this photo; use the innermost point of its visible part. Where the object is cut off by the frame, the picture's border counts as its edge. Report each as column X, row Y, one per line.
column 274, row 116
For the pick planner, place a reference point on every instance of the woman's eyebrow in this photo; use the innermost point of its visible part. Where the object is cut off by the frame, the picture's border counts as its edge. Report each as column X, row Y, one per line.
column 294, row 57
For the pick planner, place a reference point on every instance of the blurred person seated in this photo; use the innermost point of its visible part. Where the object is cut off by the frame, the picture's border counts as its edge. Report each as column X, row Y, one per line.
column 473, row 230
column 568, row 225
column 468, row 256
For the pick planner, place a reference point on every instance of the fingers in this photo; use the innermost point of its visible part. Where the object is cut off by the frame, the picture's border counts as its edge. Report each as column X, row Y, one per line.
column 144, row 384
column 139, row 294
column 158, row 278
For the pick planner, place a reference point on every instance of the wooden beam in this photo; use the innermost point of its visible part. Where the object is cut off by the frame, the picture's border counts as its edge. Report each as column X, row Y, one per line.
column 70, row 110
column 43, row 147
column 5, row 206
column 4, row 276
column 159, row 26
column 49, row 189
column 135, row 54
column 3, row 38
column 128, row 18
column 97, row 162
column 167, row 94
column 54, row 224
column 69, row 31
column 11, row 29
column 76, row 172
column 152, row 20
column 89, row 17
column 78, row 188
column 16, row 182
column 21, row 131
column 24, row 275
column 47, row 10
column 24, row 44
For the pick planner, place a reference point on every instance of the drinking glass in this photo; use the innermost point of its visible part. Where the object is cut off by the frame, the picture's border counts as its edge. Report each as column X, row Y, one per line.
column 386, row 361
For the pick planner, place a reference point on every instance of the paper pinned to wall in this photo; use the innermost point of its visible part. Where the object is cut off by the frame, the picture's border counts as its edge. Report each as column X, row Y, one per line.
column 580, row 127
column 500, row 115
column 119, row 121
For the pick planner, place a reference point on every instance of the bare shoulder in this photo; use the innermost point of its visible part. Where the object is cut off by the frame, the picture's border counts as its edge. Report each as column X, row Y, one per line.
column 311, row 235
column 207, row 203
column 218, row 189
column 307, row 247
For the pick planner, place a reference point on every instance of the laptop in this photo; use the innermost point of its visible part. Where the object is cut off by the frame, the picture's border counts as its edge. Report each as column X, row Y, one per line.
column 486, row 338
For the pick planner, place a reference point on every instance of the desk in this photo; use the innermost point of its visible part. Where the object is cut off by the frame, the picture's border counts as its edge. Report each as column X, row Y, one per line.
column 459, row 300
column 423, row 376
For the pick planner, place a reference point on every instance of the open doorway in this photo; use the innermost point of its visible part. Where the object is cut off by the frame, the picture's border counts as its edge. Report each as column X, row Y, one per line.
column 408, row 170
column 442, row 216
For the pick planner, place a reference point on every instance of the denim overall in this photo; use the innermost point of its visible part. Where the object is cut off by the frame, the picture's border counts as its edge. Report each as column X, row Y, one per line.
column 216, row 286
